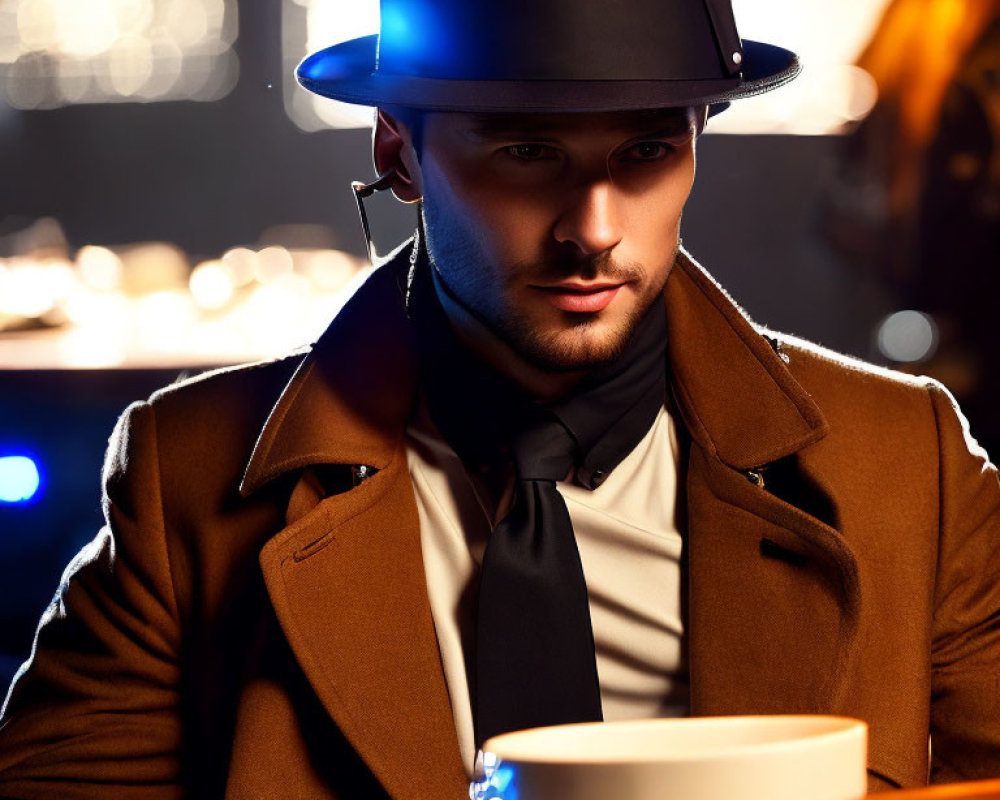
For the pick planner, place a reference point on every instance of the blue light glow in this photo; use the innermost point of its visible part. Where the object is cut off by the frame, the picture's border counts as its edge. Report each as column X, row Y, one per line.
column 412, row 39
column 498, row 783
column 503, row 781
column 395, row 24
column 19, row 479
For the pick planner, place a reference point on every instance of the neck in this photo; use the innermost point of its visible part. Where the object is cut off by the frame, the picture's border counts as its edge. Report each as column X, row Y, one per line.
column 475, row 335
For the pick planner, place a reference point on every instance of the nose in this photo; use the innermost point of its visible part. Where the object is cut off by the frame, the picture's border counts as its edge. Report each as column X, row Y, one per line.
column 593, row 220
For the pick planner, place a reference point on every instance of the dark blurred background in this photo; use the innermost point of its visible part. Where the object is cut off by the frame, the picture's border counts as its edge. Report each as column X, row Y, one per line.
column 170, row 201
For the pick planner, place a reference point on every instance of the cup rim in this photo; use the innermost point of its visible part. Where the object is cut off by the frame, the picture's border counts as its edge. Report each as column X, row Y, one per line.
column 523, row 746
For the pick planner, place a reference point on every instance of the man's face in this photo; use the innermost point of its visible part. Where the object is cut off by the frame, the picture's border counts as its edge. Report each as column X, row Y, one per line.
column 557, row 231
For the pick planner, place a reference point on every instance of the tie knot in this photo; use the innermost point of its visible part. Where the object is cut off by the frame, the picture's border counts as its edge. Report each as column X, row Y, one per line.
column 544, row 451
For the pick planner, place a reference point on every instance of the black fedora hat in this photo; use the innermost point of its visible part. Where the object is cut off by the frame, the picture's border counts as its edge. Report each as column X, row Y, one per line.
column 549, row 55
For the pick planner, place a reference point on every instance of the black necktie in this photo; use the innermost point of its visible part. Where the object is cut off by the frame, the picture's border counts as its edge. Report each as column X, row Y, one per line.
column 535, row 648
column 535, row 660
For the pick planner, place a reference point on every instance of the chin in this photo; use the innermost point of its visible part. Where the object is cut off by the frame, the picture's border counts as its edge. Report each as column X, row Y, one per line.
column 583, row 347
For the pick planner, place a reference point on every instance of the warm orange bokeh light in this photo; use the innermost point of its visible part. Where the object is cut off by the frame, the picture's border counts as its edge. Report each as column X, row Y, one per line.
column 913, row 57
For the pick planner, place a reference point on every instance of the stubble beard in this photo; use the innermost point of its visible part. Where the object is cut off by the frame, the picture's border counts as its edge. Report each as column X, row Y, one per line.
column 580, row 346
column 576, row 347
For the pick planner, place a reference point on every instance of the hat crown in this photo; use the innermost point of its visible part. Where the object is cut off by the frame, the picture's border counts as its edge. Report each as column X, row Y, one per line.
column 555, row 40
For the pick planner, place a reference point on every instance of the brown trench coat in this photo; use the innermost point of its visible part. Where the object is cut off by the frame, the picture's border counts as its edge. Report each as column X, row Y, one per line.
column 217, row 639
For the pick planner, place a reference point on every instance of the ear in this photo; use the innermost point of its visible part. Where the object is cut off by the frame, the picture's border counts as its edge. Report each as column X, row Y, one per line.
column 393, row 153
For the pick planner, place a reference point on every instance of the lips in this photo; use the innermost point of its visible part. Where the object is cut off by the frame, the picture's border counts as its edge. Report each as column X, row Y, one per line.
column 580, row 298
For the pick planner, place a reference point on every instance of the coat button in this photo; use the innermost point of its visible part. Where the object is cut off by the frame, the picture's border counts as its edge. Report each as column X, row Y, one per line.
column 756, row 477
column 597, row 478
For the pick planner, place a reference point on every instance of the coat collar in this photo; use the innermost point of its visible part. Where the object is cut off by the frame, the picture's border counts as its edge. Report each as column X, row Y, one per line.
column 735, row 393
column 349, row 401
column 350, row 397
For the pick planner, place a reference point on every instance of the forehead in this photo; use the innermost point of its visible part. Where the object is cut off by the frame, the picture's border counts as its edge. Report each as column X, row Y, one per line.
column 504, row 126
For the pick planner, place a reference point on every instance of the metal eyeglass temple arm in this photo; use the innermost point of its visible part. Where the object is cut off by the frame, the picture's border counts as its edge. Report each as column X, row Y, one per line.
column 363, row 190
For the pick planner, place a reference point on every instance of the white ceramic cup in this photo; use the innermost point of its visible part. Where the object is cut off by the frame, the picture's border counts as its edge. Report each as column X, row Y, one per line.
column 702, row 758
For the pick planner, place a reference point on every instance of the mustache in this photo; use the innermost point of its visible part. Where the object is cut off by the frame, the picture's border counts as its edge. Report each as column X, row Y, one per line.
column 589, row 267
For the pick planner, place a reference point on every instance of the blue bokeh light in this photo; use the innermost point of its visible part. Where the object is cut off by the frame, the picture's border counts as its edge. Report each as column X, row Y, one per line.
column 20, row 479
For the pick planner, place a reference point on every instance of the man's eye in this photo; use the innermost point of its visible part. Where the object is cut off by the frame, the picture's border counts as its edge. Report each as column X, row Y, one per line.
column 530, row 152
column 648, row 151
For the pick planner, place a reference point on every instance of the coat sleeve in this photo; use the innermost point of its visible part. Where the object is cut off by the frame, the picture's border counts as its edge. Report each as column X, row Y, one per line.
column 94, row 711
column 965, row 652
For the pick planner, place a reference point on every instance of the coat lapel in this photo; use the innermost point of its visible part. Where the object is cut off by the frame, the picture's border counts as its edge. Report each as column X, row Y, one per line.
column 346, row 579
column 773, row 592
column 347, row 584
column 737, row 397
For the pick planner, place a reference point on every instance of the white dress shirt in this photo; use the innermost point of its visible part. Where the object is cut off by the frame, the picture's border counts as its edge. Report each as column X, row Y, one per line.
column 630, row 548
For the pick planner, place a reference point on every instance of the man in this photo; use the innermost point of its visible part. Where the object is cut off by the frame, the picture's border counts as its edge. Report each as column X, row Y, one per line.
column 539, row 469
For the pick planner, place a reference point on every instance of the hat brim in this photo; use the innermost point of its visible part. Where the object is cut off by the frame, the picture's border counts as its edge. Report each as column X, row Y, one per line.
column 346, row 72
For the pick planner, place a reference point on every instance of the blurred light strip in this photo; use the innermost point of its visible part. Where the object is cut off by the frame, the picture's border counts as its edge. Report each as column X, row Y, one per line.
column 141, row 305
column 62, row 52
